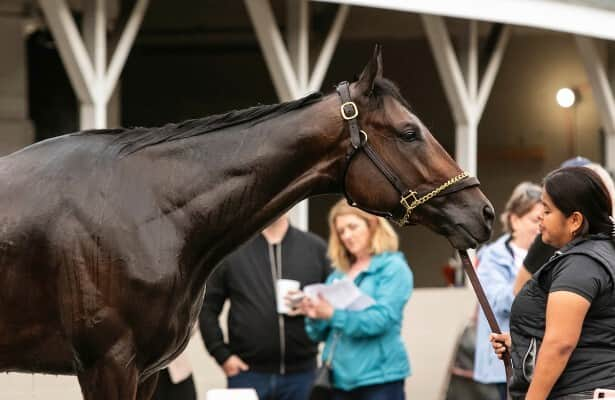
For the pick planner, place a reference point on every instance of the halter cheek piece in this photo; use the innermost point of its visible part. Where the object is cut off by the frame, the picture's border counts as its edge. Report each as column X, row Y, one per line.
column 409, row 199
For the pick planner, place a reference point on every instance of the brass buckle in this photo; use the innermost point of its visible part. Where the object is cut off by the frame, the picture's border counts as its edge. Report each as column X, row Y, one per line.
column 404, row 200
column 354, row 107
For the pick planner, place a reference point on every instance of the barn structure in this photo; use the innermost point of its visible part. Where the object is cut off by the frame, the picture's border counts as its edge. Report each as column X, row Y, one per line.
column 482, row 73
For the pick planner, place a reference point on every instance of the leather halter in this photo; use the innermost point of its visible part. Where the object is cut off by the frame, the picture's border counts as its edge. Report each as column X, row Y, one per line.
column 409, row 199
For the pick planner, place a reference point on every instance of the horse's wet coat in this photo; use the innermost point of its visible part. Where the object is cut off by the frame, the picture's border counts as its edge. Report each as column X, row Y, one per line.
column 107, row 237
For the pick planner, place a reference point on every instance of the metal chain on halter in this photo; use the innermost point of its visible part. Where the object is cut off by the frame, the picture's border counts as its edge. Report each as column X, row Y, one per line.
column 418, row 201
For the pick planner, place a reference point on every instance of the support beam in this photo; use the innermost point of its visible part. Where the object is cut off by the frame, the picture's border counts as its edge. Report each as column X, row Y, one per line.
column 297, row 37
column 466, row 146
column 328, row 48
column 466, row 98
column 95, row 34
column 85, row 59
column 289, row 67
column 448, row 67
column 123, row 47
column 576, row 17
column 492, row 69
column 468, row 57
column 72, row 50
column 596, row 72
column 595, row 67
column 15, row 125
column 95, row 41
column 280, row 67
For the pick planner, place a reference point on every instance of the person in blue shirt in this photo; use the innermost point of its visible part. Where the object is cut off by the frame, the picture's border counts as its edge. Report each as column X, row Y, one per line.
column 369, row 360
column 498, row 265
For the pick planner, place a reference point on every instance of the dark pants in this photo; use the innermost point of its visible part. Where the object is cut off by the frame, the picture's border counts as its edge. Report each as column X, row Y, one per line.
column 501, row 390
column 384, row 391
column 167, row 390
column 292, row 386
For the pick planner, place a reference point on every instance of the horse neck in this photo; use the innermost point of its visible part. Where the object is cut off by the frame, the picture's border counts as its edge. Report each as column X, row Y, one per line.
column 256, row 173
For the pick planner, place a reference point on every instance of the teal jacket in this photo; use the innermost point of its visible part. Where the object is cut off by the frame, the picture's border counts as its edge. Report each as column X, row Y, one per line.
column 369, row 347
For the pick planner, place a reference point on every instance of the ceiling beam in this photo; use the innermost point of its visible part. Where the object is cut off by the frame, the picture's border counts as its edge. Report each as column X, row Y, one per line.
column 552, row 15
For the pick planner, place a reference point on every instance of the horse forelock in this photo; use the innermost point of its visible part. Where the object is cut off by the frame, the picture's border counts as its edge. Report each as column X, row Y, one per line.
column 130, row 140
column 384, row 87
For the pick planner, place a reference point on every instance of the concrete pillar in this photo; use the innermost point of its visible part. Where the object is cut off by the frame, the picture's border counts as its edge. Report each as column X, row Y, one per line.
column 15, row 126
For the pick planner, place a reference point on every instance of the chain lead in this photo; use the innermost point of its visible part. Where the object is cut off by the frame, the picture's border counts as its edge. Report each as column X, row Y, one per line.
column 418, row 201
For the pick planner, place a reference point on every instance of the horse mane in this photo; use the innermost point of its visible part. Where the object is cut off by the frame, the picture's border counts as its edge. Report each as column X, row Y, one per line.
column 130, row 140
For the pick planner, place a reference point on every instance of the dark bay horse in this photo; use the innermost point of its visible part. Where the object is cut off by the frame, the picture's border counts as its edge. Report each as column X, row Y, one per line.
column 107, row 237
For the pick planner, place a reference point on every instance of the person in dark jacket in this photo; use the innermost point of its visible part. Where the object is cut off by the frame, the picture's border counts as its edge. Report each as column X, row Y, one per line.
column 561, row 340
column 266, row 350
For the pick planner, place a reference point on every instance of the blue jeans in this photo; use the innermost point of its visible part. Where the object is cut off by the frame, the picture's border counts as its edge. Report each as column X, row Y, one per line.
column 291, row 386
column 383, row 391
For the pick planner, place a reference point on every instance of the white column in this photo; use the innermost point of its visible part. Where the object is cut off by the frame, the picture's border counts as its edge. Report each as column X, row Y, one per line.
column 597, row 73
column 94, row 114
column 466, row 133
column 16, row 128
column 273, row 48
column 468, row 58
column 297, row 37
column 85, row 58
column 466, row 145
column 289, row 64
column 328, row 48
column 448, row 67
column 466, row 98
column 486, row 83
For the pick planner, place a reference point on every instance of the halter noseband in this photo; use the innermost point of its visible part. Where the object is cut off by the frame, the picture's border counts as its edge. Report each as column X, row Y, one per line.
column 409, row 199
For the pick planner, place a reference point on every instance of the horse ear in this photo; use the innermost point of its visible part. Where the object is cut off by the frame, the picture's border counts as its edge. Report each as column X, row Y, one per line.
column 372, row 70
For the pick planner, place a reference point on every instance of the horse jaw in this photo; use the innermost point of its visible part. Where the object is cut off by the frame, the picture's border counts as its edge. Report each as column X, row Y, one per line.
column 462, row 239
column 465, row 224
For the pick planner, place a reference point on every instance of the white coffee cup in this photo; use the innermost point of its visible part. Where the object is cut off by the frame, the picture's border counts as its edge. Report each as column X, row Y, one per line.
column 283, row 287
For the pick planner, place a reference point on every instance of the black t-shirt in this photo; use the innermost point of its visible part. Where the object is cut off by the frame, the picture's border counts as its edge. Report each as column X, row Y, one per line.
column 592, row 363
column 537, row 255
column 581, row 275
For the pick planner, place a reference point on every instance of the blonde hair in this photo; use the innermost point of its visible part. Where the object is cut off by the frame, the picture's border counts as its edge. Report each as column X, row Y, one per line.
column 523, row 198
column 383, row 236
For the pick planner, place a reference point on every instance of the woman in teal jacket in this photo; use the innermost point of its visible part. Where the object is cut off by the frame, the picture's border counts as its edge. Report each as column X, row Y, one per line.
column 369, row 361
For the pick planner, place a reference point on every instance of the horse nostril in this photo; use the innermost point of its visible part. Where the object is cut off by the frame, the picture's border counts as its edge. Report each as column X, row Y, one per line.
column 488, row 213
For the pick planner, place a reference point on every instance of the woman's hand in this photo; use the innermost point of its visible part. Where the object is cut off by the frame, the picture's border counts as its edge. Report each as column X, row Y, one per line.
column 316, row 309
column 293, row 300
column 501, row 342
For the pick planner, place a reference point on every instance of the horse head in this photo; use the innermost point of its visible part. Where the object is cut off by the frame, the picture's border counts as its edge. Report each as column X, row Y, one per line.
column 397, row 169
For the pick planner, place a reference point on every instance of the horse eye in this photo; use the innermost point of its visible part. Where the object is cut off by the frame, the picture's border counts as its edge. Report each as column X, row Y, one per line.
column 410, row 135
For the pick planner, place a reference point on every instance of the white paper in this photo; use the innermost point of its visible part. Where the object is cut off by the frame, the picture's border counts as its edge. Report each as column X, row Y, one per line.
column 342, row 294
